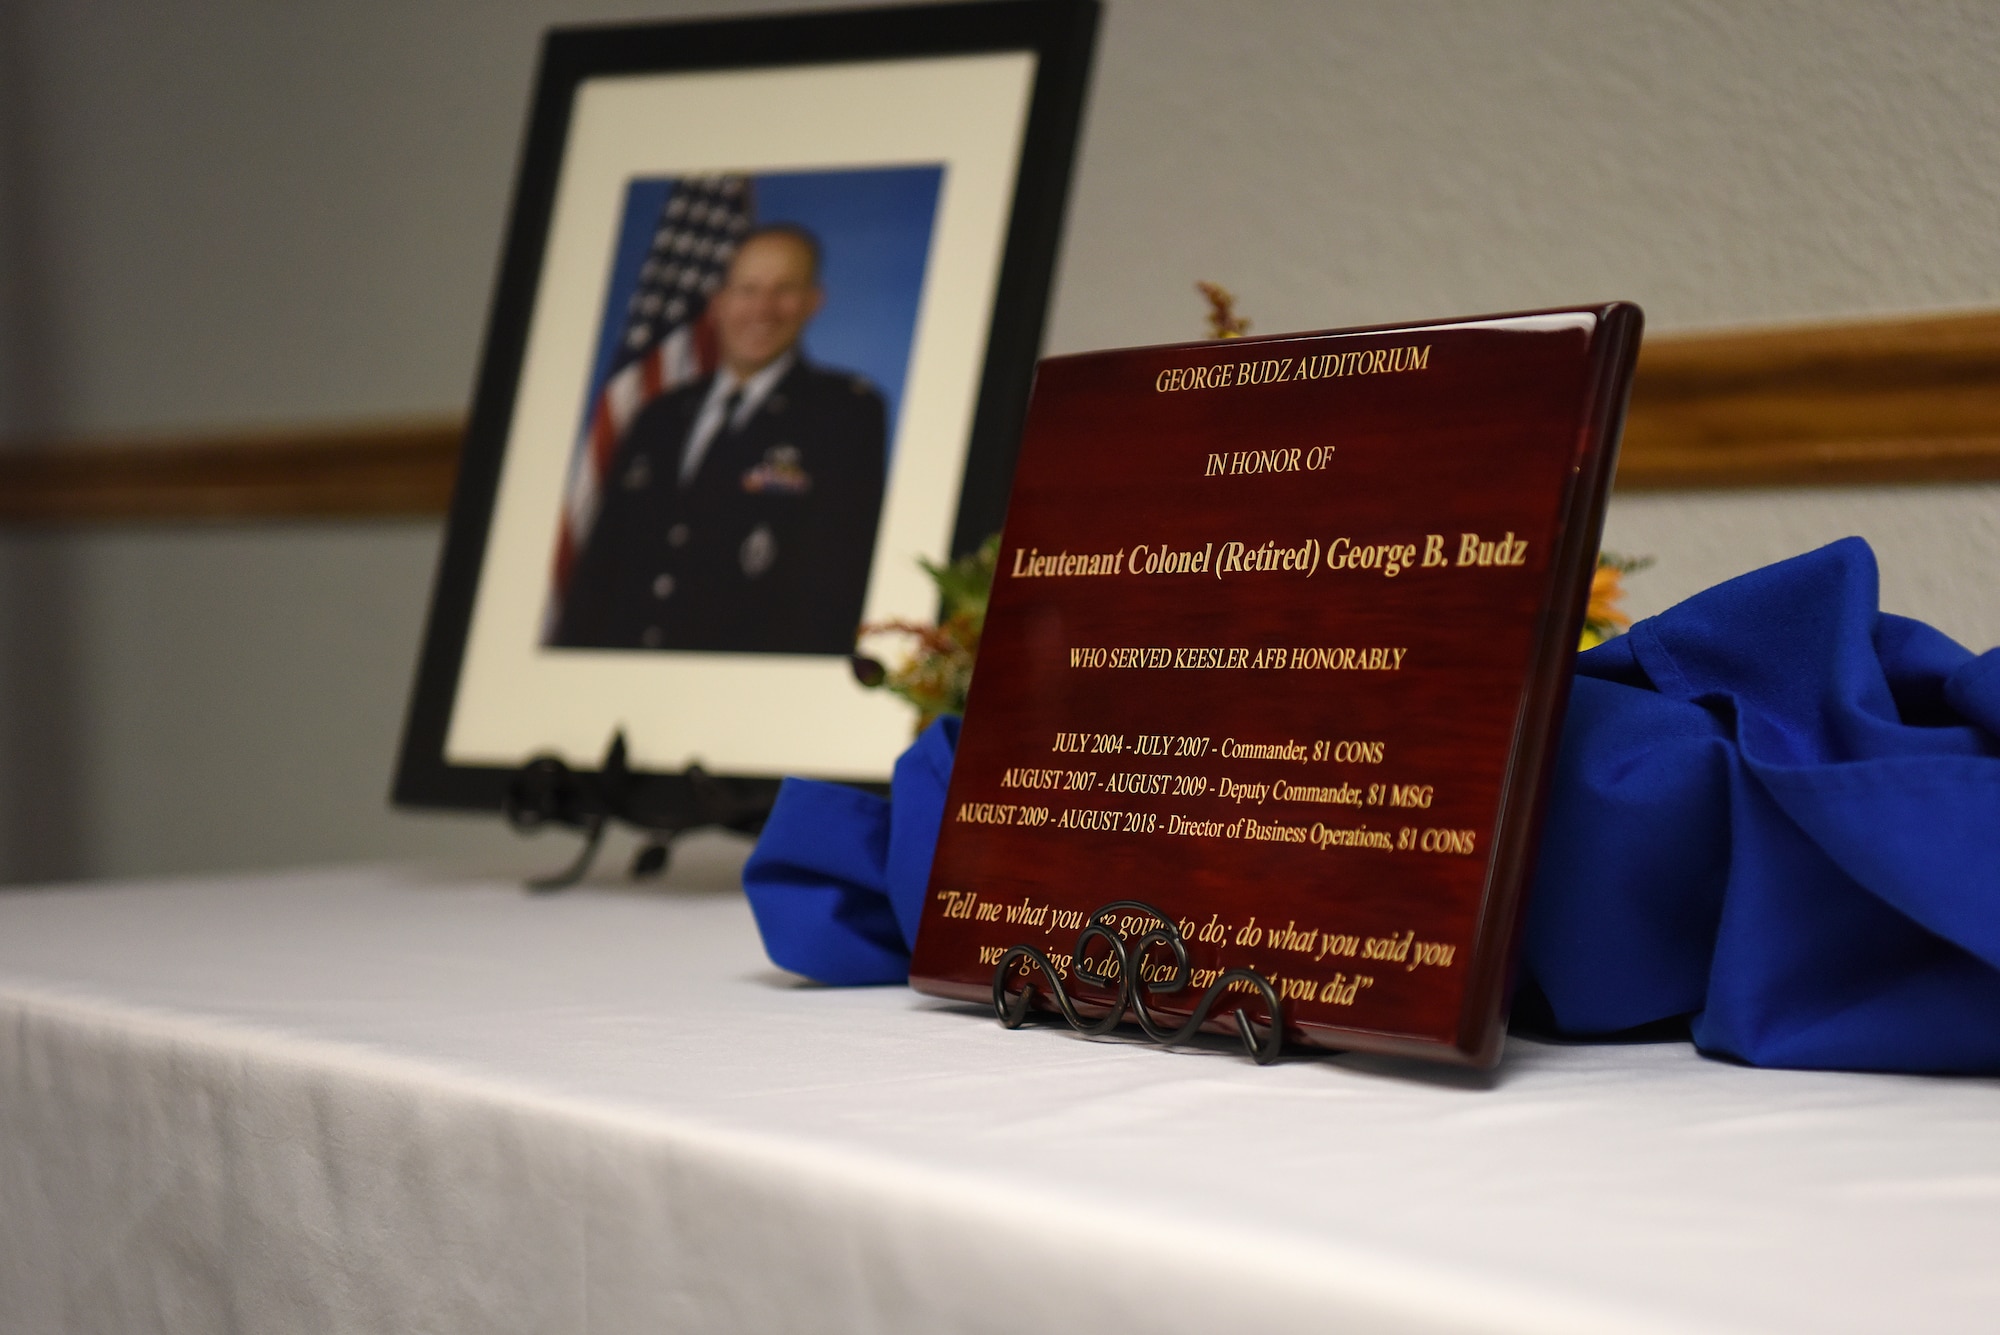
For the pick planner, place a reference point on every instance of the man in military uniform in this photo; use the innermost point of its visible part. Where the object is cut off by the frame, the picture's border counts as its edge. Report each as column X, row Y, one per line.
column 739, row 512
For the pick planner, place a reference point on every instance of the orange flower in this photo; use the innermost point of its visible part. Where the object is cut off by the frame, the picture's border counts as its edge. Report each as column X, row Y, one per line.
column 1605, row 594
column 1602, row 619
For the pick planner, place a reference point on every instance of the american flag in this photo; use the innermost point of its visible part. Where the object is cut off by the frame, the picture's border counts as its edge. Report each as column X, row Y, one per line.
column 667, row 339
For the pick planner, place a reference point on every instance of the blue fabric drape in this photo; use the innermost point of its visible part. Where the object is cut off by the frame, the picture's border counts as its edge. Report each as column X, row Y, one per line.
column 837, row 879
column 1776, row 814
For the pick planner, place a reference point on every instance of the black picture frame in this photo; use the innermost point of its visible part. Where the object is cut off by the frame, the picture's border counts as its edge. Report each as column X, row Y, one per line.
column 1059, row 35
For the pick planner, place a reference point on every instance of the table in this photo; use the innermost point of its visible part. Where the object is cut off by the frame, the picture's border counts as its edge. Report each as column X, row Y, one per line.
column 387, row 1100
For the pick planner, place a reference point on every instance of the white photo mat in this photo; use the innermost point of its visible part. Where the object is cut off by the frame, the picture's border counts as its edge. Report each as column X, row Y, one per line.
column 741, row 713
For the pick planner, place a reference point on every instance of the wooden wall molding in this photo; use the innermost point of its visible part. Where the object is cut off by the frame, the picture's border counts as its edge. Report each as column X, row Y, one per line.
column 1915, row 400
column 368, row 470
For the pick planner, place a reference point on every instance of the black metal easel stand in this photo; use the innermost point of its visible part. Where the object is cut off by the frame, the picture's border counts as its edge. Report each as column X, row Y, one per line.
column 546, row 791
column 1123, row 969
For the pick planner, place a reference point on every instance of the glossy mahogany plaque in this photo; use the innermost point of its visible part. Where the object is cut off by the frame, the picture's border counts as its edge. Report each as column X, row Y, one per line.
column 1279, row 643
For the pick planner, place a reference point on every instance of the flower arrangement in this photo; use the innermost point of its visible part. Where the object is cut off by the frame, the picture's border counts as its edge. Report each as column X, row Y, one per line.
column 1223, row 321
column 938, row 672
column 1605, row 618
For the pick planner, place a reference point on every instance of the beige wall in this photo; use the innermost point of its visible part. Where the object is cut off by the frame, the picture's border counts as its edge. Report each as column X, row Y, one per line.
column 215, row 214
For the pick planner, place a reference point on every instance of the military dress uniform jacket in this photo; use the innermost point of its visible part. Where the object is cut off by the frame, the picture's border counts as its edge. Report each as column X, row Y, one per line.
column 766, row 549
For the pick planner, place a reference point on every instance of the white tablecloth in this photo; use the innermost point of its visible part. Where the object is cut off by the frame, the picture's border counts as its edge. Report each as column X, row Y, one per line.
column 370, row 1100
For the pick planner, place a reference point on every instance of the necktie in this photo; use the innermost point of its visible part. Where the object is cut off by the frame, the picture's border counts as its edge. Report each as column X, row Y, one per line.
column 698, row 446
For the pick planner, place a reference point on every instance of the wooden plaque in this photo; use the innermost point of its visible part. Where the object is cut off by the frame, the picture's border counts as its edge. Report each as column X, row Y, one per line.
column 1279, row 642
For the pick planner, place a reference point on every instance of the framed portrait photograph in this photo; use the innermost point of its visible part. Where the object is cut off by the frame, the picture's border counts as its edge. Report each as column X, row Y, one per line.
column 767, row 316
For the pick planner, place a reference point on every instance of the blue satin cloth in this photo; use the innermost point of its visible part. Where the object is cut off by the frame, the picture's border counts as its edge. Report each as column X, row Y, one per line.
column 1777, row 813
column 1775, row 816
column 837, row 879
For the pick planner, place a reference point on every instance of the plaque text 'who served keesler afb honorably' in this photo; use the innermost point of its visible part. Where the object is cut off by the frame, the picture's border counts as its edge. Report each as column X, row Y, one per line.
column 1278, row 642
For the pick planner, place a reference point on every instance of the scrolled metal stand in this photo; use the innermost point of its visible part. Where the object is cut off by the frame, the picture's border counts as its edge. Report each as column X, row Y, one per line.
column 545, row 791
column 1121, row 973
